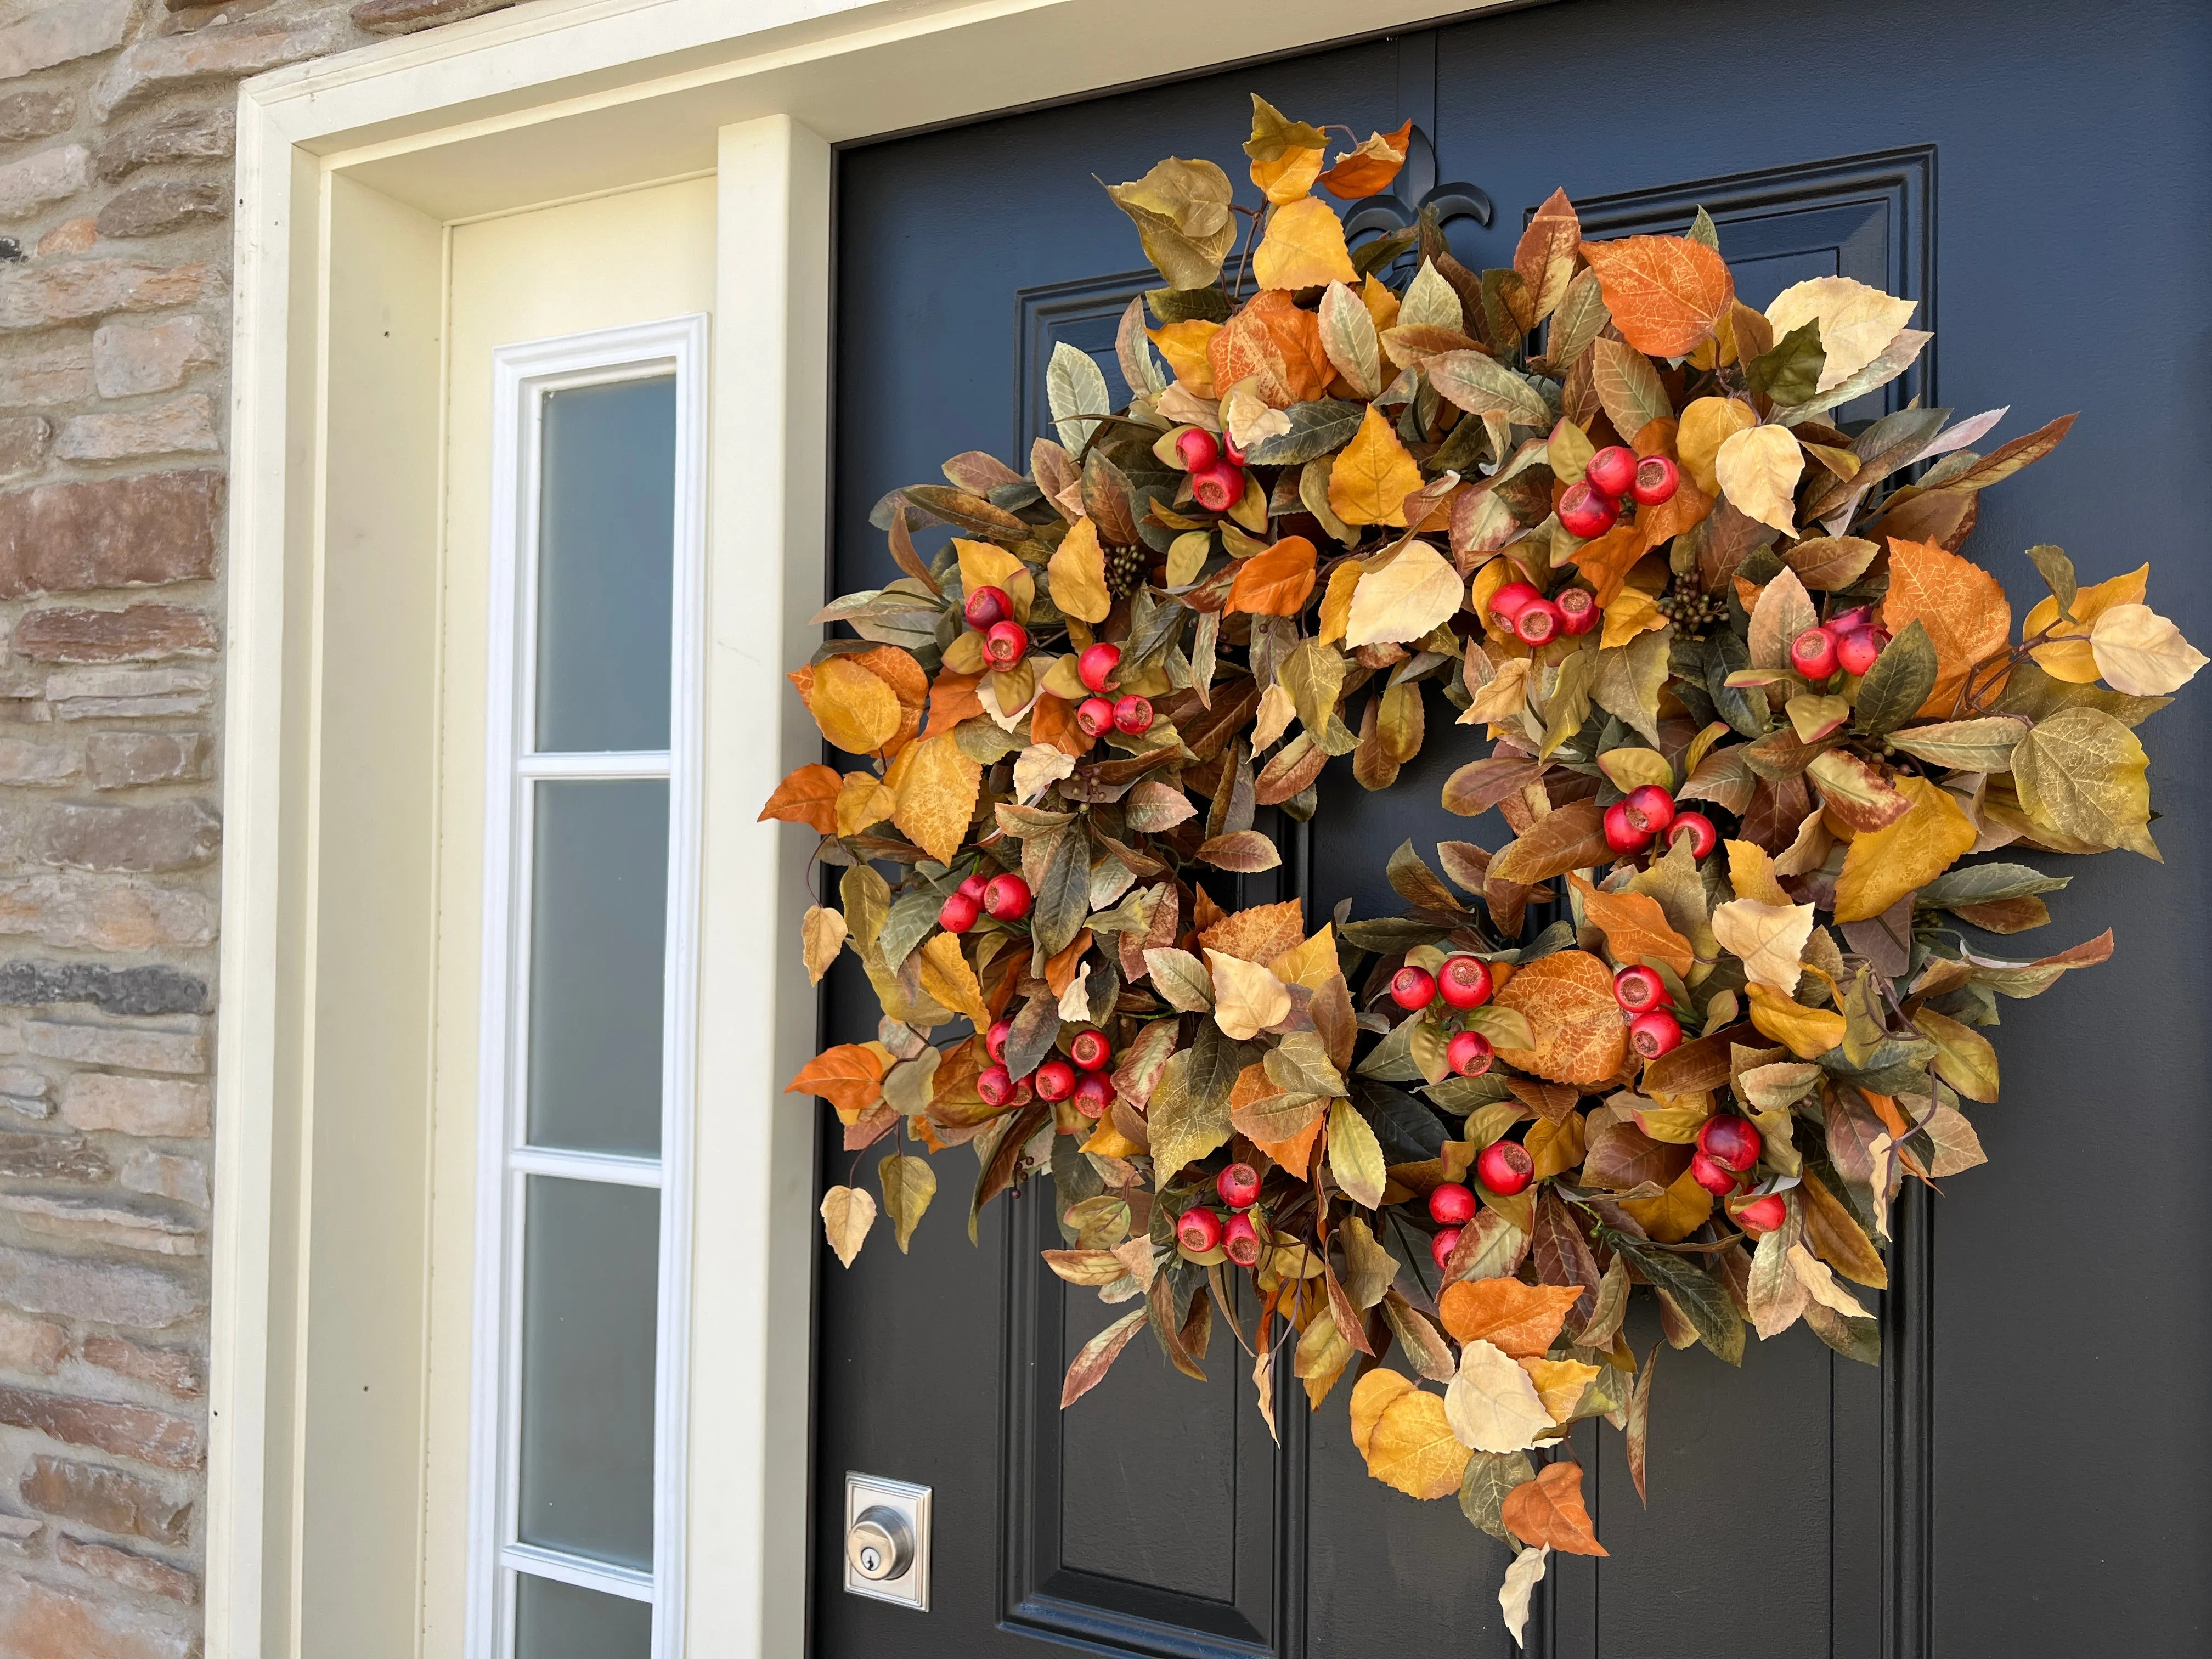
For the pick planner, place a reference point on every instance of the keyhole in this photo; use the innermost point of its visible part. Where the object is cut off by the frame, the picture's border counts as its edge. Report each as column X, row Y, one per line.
column 870, row 1561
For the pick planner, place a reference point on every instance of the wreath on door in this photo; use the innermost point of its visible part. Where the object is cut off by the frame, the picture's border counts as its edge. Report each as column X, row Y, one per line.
column 1748, row 714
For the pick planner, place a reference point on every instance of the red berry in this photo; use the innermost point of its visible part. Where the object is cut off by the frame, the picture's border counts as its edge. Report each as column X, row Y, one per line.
column 1621, row 835
column 987, row 605
column 972, row 887
column 1657, row 479
column 1505, row 1167
column 1199, row 1232
column 1198, row 447
column 1095, row 716
column 1813, row 653
column 1640, row 989
column 1442, row 1246
column 1611, row 470
column 1239, row 1186
column 1005, row 644
column 957, row 914
column 1505, row 604
column 1698, row 828
column 1650, row 809
column 1587, row 511
column 1240, row 1241
column 1468, row 1053
column 1097, row 664
column 1578, row 609
column 1218, row 488
column 995, row 1040
column 1132, row 715
column 1007, row 898
column 1090, row 1050
column 994, row 1085
column 1851, row 621
column 1655, row 1034
column 1708, row 1175
column 1093, row 1094
column 1763, row 1215
column 1858, row 650
column 1539, row 621
column 1231, row 451
column 1054, row 1080
column 1731, row 1142
column 1453, row 1204
column 1412, row 989
column 1465, row 981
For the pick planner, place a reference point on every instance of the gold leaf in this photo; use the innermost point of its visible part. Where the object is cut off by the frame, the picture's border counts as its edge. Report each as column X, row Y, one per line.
column 862, row 801
column 1247, row 997
column 857, row 712
column 1559, row 1383
column 823, row 933
column 2081, row 774
column 1808, row 1033
column 1411, row 1446
column 1372, row 475
column 1758, row 470
column 1707, row 424
column 1408, row 599
column 1371, row 1396
column 1303, row 247
column 908, row 1185
column 1181, row 212
column 2065, row 654
column 1676, row 1213
column 1884, row 864
column 946, row 975
column 935, row 783
column 1077, row 574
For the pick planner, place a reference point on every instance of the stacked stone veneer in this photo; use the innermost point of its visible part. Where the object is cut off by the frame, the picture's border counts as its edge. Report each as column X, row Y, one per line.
column 116, row 135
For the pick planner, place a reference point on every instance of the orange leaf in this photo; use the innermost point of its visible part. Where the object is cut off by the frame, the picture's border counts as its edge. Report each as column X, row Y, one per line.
column 1520, row 1320
column 1666, row 293
column 1635, row 928
column 900, row 672
column 1052, row 720
column 952, row 699
column 1545, row 257
column 1959, row 603
column 1275, row 581
column 1549, row 1510
column 1581, row 1035
column 1608, row 559
column 1276, row 345
column 1368, row 170
column 808, row 796
column 849, row 1076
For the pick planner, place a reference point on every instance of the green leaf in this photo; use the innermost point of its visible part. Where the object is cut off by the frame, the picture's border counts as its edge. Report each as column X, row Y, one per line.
column 1482, row 1489
column 1576, row 325
column 908, row 1185
column 2081, row 774
column 1697, row 1295
column 1976, row 746
column 1391, row 1061
column 1506, row 1028
column 1315, row 430
column 1630, row 677
column 1986, row 884
column 1063, row 888
column 1790, row 373
column 1184, row 305
column 1898, row 683
column 1480, row 384
column 2057, row 572
column 1355, row 1157
column 1185, row 1125
column 2034, row 694
column 1075, row 384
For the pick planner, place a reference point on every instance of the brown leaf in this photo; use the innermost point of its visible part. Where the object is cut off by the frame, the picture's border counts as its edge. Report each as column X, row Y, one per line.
column 1244, row 851
column 1545, row 257
column 1640, row 1422
column 1572, row 837
column 1549, row 1509
column 1089, row 1366
column 1477, row 786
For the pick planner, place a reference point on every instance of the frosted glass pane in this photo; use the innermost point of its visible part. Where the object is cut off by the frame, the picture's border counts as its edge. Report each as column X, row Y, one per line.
column 599, row 935
column 589, row 1282
column 554, row 1620
column 607, row 566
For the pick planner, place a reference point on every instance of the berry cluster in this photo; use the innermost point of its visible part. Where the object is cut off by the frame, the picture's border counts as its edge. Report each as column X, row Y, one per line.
column 1463, row 982
column 1098, row 713
column 1084, row 1082
column 990, row 612
column 1216, row 466
column 1593, row 506
column 1003, row 898
column 1694, row 612
column 1126, row 570
column 1536, row 620
column 1648, row 811
column 1201, row 1230
column 1850, row 641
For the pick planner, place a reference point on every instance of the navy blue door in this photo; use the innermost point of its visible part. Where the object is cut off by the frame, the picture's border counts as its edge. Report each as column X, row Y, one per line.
column 2023, row 1476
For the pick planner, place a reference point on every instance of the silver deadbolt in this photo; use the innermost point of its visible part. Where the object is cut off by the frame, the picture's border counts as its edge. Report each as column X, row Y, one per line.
column 880, row 1544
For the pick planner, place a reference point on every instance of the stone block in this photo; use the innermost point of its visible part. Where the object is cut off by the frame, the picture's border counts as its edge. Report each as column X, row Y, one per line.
column 148, row 988
column 172, row 1370
column 46, row 368
column 42, row 178
column 179, row 835
column 167, row 63
column 186, row 135
column 154, row 1107
column 19, row 1533
column 118, row 532
column 61, row 34
column 131, row 694
column 22, row 762
column 120, row 1431
column 84, row 290
column 133, row 1571
column 105, row 1292
column 105, row 912
column 51, row 1158
column 130, row 1049
column 24, row 440
column 166, row 1176
column 128, row 358
column 123, row 760
column 31, row 1344
column 91, row 1221
column 183, row 426
column 71, row 236
column 136, row 633
column 36, row 115
column 150, row 209
column 111, row 1500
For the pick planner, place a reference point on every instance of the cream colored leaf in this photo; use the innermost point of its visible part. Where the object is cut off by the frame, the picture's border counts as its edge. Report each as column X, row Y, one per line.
column 1411, row 596
column 1276, row 710
column 1492, row 1404
column 1075, row 1000
column 1856, row 321
column 1037, row 768
column 824, row 935
column 1348, row 335
column 1820, row 1285
column 848, row 1212
column 1248, row 417
column 1758, row 469
column 1769, row 937
column 1247, row 997
column 1521, row 1580
column 1430, row 301
column 1500, row 702
column 2142, row 653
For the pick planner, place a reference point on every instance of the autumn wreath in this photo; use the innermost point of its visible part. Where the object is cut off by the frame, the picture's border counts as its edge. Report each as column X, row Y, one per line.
column 1716, row 660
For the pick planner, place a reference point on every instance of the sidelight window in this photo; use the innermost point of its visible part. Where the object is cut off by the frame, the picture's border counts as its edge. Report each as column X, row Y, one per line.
column 591, row 809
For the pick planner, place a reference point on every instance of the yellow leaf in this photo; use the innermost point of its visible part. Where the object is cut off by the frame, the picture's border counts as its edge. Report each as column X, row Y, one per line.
column 1287, row 177
column 862, row 801
column 1808, row 1033
column 1635, row 929
column 1492, row 1404
column 1960, row 604
column 1186, row 557
column 822, row 933
column 857, row 712
column 1247, row 997
column 1413, row 594
column 1675, row 1214
column 1706, row 425
column 1633, row 611
column 1311, row 964
column 1303, row 247
column 1758, row 470
column 2142, row 653
column 1382, row 305
column 1371, row 1397
column 1856, row 322
column 1559, row 1383
column 2066, row 655
column 1184, row 345
column 2081, row 776
column 848, row 1212
column 1411, row 1446
column 1372, row 476
column 1077, row 574
column 1355, row 1156
column 1884, row 864
column 1751, row 874
column 1501, row 701
column 1336, row 601
column 946, row 975
column 935, row 783
column 1769, row 937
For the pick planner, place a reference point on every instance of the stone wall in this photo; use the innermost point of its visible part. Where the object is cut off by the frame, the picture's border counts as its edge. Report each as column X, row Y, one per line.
column 116, row 126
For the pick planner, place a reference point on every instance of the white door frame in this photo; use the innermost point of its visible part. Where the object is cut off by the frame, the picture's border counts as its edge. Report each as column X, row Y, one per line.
column 351, row 173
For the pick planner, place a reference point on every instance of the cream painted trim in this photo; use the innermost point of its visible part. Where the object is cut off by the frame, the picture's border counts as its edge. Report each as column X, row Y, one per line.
column 556, row 100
